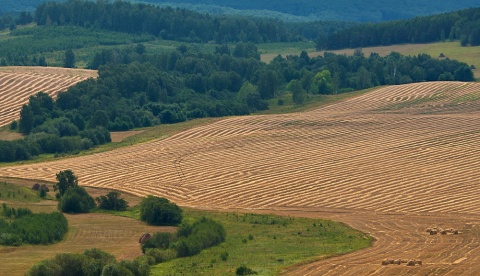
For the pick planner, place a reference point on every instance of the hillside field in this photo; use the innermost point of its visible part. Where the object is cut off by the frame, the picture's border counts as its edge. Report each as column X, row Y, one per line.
column 392, row 163
column 17, row 84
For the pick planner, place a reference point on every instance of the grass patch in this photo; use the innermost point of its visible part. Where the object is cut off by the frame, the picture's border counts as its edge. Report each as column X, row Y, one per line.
column 475, row 96
column 268, row 51
column 11, row 192
column 265, row 243
column 313, row 102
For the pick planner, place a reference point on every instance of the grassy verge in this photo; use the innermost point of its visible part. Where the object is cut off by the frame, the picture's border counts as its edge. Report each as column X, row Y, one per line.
column 265, row 243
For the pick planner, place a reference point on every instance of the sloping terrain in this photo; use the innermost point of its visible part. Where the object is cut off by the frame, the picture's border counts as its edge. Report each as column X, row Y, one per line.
column 17, row 84
column 392, row 163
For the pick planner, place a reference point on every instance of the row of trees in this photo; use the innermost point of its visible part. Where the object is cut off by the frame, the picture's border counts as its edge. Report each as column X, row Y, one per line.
column 463, row 25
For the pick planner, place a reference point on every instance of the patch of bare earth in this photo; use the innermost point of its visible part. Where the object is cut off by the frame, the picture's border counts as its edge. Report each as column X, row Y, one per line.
column 17, row 84
column 10, row 136
column 119, row 136
column 392, row 163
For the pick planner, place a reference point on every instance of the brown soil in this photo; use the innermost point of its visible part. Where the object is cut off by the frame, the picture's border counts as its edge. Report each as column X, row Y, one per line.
column 392, row 163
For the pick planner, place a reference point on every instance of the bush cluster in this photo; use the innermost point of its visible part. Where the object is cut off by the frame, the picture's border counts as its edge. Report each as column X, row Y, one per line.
column 189, row 240
column 160, row 211
column 32, row 228
column 92, row 262
column 112, row 201
column 76, row 200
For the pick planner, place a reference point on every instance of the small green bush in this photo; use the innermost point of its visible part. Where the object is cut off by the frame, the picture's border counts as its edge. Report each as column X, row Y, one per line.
column 244, row 270
column 224, row 256
column 76, row 200
column 160, row 211
column 112, row 201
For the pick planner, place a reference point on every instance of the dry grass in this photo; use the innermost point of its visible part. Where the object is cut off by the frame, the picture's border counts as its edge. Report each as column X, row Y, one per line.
column 119, row 136
column 10, row 136
column 17, row 84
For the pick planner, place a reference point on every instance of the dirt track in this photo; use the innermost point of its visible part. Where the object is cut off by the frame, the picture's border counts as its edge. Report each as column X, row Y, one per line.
column 391, row 163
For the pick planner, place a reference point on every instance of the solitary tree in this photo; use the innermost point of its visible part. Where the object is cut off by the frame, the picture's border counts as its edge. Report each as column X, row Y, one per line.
column 66, row 179
column 69, row 59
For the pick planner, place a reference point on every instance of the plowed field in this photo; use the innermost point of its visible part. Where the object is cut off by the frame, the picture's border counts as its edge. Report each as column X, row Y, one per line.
column 391, row 162
column 17, row 84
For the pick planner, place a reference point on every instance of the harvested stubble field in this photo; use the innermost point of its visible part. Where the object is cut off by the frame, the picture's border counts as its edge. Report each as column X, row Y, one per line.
column 391, row 163
column 17, row 84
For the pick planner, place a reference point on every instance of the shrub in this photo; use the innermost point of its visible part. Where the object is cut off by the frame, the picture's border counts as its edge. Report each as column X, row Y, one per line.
column 42, row 192
column 112, row 201
column 161, row 240
column 224, row 256
column 189, row 240
column 244, row 270
column 160, row 256
column 160, row 211
column 203, row 233
column 90, row 262
column 76, row 200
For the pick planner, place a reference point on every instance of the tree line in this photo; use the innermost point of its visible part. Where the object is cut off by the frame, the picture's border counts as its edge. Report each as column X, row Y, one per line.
column 178, row 24
column 461, row 25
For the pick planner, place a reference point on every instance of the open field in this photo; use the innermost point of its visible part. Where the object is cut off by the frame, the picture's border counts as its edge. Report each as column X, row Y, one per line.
column 17, row 84
column 391, row 162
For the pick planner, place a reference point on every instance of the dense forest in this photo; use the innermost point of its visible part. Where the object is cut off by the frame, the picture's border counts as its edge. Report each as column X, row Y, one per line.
column 178, row 24
column 302, row 10
column 462, row 25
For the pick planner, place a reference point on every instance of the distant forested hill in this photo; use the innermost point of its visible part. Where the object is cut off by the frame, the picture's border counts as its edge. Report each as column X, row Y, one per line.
column 341, row 10
column 463, row 25
column 299, row 10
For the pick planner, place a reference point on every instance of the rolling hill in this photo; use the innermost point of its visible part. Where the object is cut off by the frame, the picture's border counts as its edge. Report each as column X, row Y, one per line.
column 304, row 10
column 391, row 162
